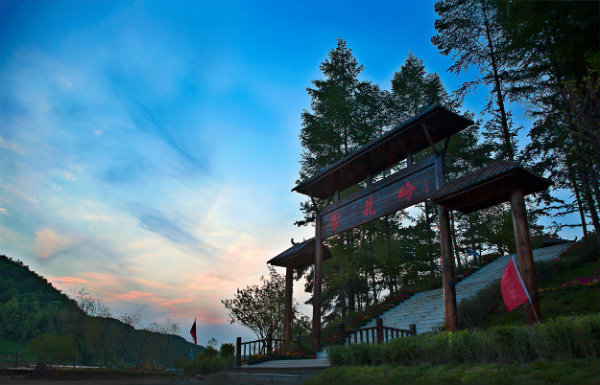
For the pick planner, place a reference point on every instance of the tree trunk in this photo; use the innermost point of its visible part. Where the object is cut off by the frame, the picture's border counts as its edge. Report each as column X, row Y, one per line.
column 372, row 269
column 587, row 192
column 593, row 176
column 389, row 255
column 429, row 245
column 351, row 302
column 578, row 198
column 453, row 235
column 497, row 87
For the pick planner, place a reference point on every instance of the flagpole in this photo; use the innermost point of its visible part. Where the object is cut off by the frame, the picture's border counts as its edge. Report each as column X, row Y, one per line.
column 534, row 312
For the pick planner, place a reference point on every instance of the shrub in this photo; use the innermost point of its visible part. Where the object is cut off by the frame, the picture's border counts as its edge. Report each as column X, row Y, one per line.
column 227, row 350
column 561, row 338
column 477, row 310
column 204, row 364
column 53, row 349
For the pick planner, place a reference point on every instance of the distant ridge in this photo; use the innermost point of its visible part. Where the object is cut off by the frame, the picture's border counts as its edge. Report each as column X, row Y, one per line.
column 31, row 306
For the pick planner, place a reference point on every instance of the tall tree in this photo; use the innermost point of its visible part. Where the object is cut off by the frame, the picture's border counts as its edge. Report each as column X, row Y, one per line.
column 470, row 31
column 345, row 113
column 260, row 308
column 554, row 48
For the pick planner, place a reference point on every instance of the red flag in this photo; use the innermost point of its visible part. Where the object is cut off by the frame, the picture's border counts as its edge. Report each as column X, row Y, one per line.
column 513, row 289
column 193, row 332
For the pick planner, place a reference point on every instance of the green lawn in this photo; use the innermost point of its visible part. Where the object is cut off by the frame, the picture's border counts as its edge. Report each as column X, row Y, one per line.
column 9, row 348
column 580, row 372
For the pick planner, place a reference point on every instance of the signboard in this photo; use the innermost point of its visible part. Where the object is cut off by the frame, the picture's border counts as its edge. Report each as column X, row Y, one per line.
column 396, row 192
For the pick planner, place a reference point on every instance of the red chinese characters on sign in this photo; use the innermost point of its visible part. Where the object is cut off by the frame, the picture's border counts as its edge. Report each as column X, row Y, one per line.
column 369, row 209
column 406, row 191
column 335, row 217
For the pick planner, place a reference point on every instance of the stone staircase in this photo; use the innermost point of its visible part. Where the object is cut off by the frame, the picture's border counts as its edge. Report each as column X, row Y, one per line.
column 290, row 372
column 426, row 309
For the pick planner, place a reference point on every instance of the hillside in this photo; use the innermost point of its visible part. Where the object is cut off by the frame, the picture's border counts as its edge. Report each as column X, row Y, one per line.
column 31, row 306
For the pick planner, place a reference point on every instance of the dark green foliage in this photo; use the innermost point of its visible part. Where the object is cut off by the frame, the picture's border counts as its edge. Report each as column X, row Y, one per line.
column 53, row 349
column 260, row 308
column 206, row 362
column 469, row 30
column 477, row 310
column 227, row 350
column 567, row 372
column 558, row 339
column 30, row 306
column 488, row 302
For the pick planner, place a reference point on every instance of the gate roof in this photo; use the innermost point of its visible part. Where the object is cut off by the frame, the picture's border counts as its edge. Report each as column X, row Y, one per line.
column 488, row 186
column 408, row 137
column 299, row 255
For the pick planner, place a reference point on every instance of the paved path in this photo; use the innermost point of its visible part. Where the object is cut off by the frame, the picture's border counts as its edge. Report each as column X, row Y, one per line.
column 290, row 364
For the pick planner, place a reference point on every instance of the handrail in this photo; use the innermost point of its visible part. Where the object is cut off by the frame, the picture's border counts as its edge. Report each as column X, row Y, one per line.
column 245, row 350
column 374, row 334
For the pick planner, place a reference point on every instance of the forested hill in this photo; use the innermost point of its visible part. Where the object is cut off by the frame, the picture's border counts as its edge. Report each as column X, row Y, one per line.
column 30, row 306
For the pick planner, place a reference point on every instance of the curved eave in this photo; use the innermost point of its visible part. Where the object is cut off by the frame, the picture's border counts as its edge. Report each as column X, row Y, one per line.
column 392, row 147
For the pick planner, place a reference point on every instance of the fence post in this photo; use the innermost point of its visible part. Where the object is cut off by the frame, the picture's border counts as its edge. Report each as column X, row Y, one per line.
column 342, row 332
column 413, row 329
column 379, row 325
column 238, row 352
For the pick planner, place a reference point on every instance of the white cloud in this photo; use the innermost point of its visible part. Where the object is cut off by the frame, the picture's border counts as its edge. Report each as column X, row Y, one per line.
column 11, row 146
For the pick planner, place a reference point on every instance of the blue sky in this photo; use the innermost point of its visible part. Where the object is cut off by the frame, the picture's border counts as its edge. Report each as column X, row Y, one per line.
column 148, row 149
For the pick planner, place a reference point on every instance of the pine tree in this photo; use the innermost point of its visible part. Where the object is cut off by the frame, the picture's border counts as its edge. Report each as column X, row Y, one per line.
column 346, row 114
column 470, row 31
column 554, row 47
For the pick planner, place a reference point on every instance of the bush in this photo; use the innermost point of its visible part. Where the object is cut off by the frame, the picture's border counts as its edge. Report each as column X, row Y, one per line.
column 204, row 364
column 561, row 338
column 53, row 349
column 478, row 309
column 227, row 350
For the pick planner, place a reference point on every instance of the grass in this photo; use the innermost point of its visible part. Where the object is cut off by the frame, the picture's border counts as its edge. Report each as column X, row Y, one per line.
column 566, row 337
column 9, row 348
column 557, row 303
column 581, row 372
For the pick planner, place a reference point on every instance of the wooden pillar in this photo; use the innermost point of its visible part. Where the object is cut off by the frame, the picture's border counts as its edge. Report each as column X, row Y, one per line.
column 413, row 329
column 316, row 322
column 238, row 352
column 524, row 255
column 287, row 312
column 447, row 270
column 379, row 329
column 342, row 333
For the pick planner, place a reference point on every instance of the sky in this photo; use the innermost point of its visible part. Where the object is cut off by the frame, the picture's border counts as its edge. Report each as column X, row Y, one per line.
column 148, row 149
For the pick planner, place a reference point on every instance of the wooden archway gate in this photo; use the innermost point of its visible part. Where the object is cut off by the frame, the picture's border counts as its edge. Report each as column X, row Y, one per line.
column 499, row 182
column 405, row 188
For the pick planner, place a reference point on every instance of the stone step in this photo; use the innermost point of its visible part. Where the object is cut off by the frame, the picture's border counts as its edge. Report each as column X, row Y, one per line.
column 279, row 371
column 426, row 309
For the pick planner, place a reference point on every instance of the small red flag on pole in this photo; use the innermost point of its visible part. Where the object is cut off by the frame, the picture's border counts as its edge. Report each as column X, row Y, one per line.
column 193, row 332
column 513, row 289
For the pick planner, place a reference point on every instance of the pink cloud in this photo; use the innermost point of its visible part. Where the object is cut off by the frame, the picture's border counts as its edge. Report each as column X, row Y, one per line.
column 48, row 242
column 66, row 282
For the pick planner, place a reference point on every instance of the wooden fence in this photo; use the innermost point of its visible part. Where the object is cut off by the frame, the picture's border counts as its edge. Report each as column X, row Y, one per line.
column 374, row 334
column 245, row 350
